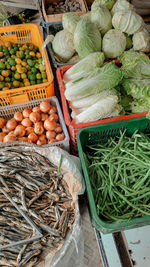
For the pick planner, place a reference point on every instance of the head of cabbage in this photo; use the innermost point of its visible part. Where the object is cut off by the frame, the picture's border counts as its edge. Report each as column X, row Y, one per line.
column 141, row 41
column 63, row 45
column 114, row 43
column 102, row 18
column 87, row 38
column 108, row 3
column 121, row 5
column 69, row 22
column 127, row 21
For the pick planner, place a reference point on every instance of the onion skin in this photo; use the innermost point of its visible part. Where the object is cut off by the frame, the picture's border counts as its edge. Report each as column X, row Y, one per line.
column 52, row 141
column 44, row 116
column 23, row 139
column 50, row 125
column 58, row 129
column 38, row 128
column 27, row 112
column 20, row 131
column 42, row 137
column 32, row 137
column 2, row 122
column 50, row 135
column 45, row 106
column 53, row 109
column 5, row 130
column 54, row 117
column 60, row 137
column 36, row 109
column 2, row 135
column 18, row 116
column 26, row 122
column 35, row 117
column 11, row 124
column 41, row 143
column 29, row 130
column 9, row 138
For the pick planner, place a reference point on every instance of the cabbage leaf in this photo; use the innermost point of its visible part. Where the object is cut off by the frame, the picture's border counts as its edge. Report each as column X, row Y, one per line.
column 102, row 18
column 137, row 88
column 108, row 3
column 121, row 5
column 69, row 22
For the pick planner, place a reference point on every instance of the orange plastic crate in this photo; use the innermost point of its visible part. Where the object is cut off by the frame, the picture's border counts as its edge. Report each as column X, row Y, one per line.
column 73, row 128
column 20, row 34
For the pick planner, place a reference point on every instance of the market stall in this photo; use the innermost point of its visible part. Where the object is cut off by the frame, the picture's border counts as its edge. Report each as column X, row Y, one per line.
column 74, row 118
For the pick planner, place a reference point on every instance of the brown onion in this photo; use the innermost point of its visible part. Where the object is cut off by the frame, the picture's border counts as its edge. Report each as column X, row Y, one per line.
column 60, row 137
column 53, row 109
column 54, row 117
column 42, row 137
column 38, row 128
column 26, row 122
column 2, row 122
column 11, row 124
column 24, row 139
column 9, row 138
column 58, row 128
column 29, row 130
column 2, row 135
column 32, row 137
column 35, row 117
column 20, row 130
column 5, row 130
column 36, row 109
column 18, row 116
column 41, row 143
column 26, row 112
column 50, row 125
column 44, row 116
column 50, row 135
column 45, row 106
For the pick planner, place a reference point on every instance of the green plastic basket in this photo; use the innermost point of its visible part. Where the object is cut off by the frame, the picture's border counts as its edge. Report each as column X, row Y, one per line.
column 100, row 134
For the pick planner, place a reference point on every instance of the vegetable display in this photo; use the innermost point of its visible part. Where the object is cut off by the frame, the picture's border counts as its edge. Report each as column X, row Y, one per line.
column 120, row 177
column 21, row 65
column 39, row 125
column 111, row 27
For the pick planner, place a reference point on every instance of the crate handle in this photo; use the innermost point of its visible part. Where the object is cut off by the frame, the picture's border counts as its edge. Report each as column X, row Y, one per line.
column 48, row 40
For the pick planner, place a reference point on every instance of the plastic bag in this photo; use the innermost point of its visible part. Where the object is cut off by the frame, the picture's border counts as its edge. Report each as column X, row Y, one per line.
column 71, row 251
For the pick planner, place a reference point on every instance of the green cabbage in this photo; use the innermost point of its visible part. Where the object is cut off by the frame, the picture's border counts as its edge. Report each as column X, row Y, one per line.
column 102, row 18
column 127, row 21
column 108, row 3
column 121, row 5
column 114, row 43
column 135, row 64
column 87, row 38
column 137, row 88
column 63, row 45
column 141, row 41
column 129, row 43
column 99, row 80
column 84, row 66
column 140, row 106
column 69, row 22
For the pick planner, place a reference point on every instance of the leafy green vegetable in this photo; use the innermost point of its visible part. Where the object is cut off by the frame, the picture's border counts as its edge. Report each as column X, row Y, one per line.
column 127, row 21
column 69, row 21
column 137, row 88
column 63, row 45
column 141, row 41
column 129, row 43
column 99, row 80
column 84, row 66
column 114, row 43
column 134, row 64
column 121, row 5
column 87, row 38
column 108, row 3
column 102, row 18
column 141, row 105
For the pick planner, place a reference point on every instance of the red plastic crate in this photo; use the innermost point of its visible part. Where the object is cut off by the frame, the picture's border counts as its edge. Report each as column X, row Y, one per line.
column 73, row 128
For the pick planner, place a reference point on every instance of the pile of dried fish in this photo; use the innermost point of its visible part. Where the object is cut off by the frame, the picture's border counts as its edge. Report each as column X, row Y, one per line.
column 38, row 189
column 64, row 6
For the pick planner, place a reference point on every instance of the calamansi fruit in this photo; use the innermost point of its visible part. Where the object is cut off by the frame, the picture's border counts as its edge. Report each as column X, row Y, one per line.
column 16, row 83
column 17, row 76
column 5, row 73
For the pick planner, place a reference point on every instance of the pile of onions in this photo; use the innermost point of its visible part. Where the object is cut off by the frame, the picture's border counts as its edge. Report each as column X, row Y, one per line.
column 39, row 125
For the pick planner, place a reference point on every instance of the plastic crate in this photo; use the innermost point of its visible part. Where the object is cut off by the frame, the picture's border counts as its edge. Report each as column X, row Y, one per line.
column 58, row 17
column 73, row 128
column 8, row 112
column 99, row 134
column 21, row 34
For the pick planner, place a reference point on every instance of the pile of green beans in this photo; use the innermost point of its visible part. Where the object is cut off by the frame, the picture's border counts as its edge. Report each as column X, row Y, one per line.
column 119, row 172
